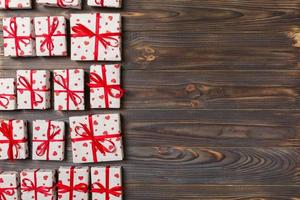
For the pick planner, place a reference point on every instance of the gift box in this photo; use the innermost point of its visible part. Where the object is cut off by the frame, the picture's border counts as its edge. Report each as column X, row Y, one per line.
column 15, row 4
column 96, row 36
column 106, row 183
column 18, row 35
column 69, row 89
column 96, row 138
column 105, row 90
column 50, row 33
column 13, row 140
column 48, row 140
column 7, row 94
column 9, row 185
column 73, row 183
column 33, row 89
column 105, row 3
column 61, row 3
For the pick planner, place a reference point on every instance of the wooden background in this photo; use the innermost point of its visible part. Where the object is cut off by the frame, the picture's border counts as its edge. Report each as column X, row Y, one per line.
column 212, row 103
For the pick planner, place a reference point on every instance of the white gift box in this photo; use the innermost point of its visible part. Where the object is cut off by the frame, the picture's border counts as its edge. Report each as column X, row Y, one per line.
column 105, row 3
column 73, row 183
column 96, row 36
column 106, row 183
column 50, row 33
column 38, row 184
column 7, row 94
column 13, row 137
column 96, row 138
column 9, row 185
column 33, row 89
column 15, row 4
column 18, row 35
column 48, row 140
column 69, row 89
column 105, row 89
column 76, row 4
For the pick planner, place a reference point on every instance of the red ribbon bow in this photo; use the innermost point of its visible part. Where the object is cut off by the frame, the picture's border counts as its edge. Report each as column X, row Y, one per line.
column 48, row 41
column 96, row 141
column 71, row 94
column 13, row 34
column 82, row 31
column 44, row 146
column 7, row 131
column 100, row 2
column 61, row 3
column 4, row 99
column 35, row 98
column 81, row 187
column 6, row 192
column 29, row 185
column 97, row 187
column 98, row 82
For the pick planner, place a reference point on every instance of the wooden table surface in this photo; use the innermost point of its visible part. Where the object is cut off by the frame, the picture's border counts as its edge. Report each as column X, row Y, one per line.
column 212, row 103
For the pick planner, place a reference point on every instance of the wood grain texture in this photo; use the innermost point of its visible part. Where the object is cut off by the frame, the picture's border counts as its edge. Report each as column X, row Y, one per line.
column 212, row 107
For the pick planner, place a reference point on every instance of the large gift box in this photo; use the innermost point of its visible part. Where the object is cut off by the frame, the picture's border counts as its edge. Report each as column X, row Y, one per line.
column 96, row 36
column 48, row 140
column 69, row 89
column 61, row 3
column 96, row 138
column 105, row 89
column 9, row 185
column 13, row 139
column 33, row 89
column 18, row 35
column 15, row 4
column 38, row 184
column 105, row 3
column 106, row 183
column 73, row 183
column 7, row 94
column 50, row 33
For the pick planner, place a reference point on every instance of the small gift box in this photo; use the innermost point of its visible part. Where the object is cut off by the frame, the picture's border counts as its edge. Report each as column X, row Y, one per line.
column 105, row 90
column 96, row 36
column 73, row 183
column 61, row 3
column 38, row 184
column 106, row 183
column 96, row 138
column 105, row 3
column 18, row 35
column 7, row 94
column 33, row 89
column 9, row 185
column 15, row 4
column 50, row 33
column 48, row 140
column 69, row 89
column 13, row 140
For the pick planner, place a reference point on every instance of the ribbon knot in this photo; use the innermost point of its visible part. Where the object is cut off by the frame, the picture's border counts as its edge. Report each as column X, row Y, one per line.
column 28, row 186
column 13, row 34
column 6, row 192
column 81, row 187
column 99, row 2
column 61, row 3
column 105, row 39
column 115, row 191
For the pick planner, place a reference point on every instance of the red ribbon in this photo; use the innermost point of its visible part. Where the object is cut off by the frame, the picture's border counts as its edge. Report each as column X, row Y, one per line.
column 6, row 2
column 35, row 98
column 98, row 82
column 100, row 2
column 82, row 31
column 81, row 187
column 13, row 34
column 48, row 42
column 61, row 3
column 6, row 192
column 7, row 131
column 44, row 146
column 29, row 185
column 97, row 187
column 71, row 94
column 96, row 141
column 4, row 99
